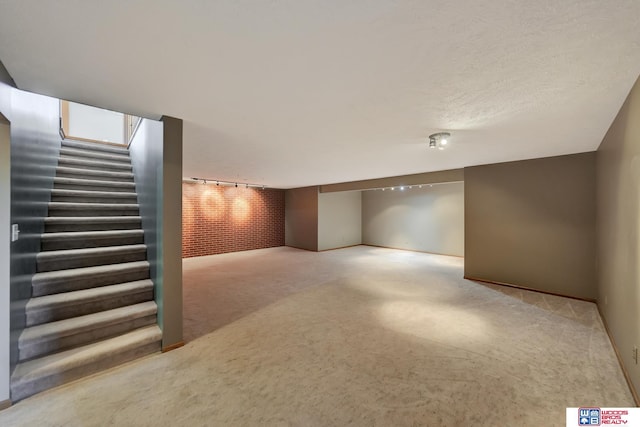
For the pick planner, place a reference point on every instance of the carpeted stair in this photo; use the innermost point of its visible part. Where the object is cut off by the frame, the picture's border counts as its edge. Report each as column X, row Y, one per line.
column 92, row 304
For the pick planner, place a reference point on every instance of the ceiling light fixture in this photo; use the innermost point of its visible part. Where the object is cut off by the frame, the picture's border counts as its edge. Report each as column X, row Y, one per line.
column 439, row 140
column 224, row 183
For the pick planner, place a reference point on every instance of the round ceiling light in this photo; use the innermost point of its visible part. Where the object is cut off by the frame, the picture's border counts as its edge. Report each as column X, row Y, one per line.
column 439, row 140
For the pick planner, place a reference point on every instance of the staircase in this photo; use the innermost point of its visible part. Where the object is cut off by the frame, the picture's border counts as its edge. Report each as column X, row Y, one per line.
column 92, row 301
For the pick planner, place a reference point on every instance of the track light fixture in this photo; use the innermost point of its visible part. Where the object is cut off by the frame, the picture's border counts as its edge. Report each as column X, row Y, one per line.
column 439, row 140
column 218, row 182
column 405, row 187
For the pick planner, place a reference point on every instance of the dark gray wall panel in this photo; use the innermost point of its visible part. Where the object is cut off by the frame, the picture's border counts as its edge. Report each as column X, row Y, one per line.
column 5, row 77
column 156, row 155
column 172, row 232
column 146, row 158
column 35, row 144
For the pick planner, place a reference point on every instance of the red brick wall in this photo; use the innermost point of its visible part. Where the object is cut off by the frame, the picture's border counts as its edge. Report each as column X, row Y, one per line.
column 220, row 219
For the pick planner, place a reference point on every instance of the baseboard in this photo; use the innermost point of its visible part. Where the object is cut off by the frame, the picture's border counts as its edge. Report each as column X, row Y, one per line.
column 411, row 250
column 172, row 346
column 341, row 247
column 634, row 393
column 4, row 404
column 511, row 285
column 298, row 247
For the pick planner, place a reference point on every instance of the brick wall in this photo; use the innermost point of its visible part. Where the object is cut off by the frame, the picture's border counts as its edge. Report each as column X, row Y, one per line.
column 220, row 219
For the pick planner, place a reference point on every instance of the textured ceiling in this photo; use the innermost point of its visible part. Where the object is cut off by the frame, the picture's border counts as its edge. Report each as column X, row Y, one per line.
column 292, row 92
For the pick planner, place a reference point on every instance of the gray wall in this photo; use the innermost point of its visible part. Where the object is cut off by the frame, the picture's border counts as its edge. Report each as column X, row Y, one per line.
column 5, row 235
column 154, row 167
column 339, row 219
column 618, row 194
column 532, row 223
column 35, row 144
column 429, row 219
column 301, row 218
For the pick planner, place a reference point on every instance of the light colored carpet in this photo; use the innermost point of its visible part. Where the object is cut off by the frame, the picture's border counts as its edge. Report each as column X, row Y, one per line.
column 359, row 336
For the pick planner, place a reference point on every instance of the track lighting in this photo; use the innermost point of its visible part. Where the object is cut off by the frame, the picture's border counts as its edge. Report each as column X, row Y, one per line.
column 225, row 183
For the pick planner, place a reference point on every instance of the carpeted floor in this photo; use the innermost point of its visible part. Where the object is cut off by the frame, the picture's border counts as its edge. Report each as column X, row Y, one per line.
column 358, row 336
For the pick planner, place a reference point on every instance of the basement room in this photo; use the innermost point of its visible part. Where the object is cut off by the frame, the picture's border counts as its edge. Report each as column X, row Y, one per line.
column 387, row 213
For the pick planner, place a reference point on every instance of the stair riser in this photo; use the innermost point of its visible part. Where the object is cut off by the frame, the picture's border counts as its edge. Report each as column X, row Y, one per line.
column 111, row 211
column 95, row 148
column 80, row 174
column 52, row 314
column 85, row 282
column 61, row 244
column 92, row 187
column 92, row 165
column 25, row 389
column 131, row 200
column 28, row 351
column 118, row 160
column 94, row 155
column 106, row 226
column 63, row 263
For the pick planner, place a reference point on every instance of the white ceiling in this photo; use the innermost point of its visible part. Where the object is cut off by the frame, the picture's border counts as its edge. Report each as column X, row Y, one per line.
column 290, row 93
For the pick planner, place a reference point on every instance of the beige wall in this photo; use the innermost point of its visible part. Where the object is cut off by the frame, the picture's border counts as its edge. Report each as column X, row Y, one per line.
column 532, row 223
column 429, row 219
column 339, row 220
column 618, row 194
column 301, row 218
